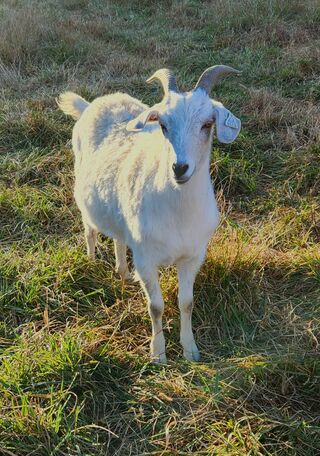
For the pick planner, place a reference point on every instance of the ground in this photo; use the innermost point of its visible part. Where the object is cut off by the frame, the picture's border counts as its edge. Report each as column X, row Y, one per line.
column 75, row 377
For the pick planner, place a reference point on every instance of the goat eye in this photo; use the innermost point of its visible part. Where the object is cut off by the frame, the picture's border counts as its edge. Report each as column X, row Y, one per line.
column 206, row 125
column 163, row 128
column 153, row 117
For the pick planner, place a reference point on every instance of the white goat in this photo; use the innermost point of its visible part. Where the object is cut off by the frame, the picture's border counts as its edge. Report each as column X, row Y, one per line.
column 142, row 178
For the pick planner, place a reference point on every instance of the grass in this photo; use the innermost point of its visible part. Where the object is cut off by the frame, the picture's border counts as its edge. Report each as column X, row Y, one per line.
column 75, row 377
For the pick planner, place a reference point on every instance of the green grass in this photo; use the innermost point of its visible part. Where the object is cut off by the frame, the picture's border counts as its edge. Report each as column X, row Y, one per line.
column 75, row 377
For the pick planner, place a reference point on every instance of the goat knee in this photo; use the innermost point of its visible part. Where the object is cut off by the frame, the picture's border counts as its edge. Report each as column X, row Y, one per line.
column 186, row 306
column 156, row 310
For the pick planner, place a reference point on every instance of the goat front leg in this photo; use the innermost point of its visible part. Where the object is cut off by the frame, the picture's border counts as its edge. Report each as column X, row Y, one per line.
column 91, row 239
column 120, row 251
column 149, row 280
column 187, row 271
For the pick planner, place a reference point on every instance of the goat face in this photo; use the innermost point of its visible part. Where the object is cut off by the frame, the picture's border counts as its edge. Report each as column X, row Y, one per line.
column 186, row 121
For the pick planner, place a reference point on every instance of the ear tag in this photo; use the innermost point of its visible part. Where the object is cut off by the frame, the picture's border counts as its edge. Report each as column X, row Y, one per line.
column 231, row 121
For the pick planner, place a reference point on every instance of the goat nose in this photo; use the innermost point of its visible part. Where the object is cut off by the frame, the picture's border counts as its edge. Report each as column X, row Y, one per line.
column 180, row 169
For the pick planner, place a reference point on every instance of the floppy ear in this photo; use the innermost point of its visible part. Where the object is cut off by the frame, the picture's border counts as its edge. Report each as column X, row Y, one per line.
column 228, row 126
column 138, row 123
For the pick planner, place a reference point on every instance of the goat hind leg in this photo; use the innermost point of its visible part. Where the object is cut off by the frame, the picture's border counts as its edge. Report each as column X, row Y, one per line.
column 91, row 239
column 120, row 251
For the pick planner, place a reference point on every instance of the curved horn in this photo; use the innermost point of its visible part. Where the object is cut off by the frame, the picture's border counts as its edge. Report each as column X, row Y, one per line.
column 211, row 75
column 167, row 79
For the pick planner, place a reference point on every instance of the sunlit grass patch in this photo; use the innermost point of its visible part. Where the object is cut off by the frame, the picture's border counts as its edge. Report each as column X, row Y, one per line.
column 35, row 128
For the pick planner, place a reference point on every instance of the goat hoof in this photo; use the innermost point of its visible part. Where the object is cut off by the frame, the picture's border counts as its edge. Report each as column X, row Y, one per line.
column 193, row 355
column 159, row 359
column 124, row 274
column 126, row 277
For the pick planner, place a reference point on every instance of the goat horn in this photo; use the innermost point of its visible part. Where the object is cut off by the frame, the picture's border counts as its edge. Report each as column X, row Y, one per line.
column 167, row 79
column 211, row 75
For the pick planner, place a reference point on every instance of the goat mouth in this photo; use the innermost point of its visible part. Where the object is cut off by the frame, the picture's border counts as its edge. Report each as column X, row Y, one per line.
column 182, row 180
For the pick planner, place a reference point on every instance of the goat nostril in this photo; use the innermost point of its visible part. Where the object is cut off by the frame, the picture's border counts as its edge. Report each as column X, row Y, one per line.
column 184, row 169
column 180, row 169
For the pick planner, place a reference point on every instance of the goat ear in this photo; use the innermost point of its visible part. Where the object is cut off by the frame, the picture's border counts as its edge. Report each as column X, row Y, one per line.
column 138, row 123
column 228, row 126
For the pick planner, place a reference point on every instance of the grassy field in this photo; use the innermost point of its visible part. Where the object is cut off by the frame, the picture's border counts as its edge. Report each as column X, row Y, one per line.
column 75, row 377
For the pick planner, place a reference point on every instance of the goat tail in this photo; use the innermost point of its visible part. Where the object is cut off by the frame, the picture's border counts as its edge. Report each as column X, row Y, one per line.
column 72, row 104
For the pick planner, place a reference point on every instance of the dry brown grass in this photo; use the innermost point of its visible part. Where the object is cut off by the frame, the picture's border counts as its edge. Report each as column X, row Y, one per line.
column 305, row 59
column 10, row 76
column 291, row 123
column 26, row 29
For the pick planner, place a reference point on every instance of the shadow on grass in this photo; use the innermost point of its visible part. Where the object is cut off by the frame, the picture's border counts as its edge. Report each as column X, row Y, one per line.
column 90, row 391
column 73, row 400
column 61, row 282
column 248, row 307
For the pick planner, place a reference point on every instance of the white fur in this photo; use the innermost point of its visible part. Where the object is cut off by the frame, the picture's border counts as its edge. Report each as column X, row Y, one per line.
column 125, row 188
